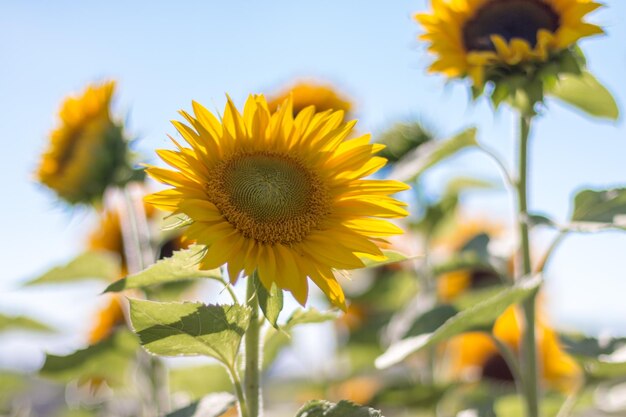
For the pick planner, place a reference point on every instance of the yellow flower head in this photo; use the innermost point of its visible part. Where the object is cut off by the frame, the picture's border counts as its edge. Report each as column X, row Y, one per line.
column 304, row 94
column 86, row 151
column 476, row 353
column 468, row 36
column 280, row 195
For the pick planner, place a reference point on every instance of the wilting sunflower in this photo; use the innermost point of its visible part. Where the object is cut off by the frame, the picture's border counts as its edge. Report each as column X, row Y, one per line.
column 476, row 355
column 305, row 94
column 87, row 152
column 280, row 195
column 470, row 36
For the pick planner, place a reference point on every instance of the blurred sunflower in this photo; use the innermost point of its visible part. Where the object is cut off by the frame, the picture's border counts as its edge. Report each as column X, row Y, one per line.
column 107, row 236
column 476, row 355
column 280, row 195
column 304, row 94
column 453, row 283
column 469, row 36
column 107, row 319
column 87, row 152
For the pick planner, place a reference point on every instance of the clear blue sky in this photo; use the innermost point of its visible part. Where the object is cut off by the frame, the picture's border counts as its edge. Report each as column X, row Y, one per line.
column 164, row 54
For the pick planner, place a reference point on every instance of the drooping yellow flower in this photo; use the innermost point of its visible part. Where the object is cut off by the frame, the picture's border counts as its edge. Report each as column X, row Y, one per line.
column 86, row 152
column 475, row 354
column 107, row 236
column 307, row 93
column 453, row 283
column 468, row 36
column 107, row 319
column 280, row 195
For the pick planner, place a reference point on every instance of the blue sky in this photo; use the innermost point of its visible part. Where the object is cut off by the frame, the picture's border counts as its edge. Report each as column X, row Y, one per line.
column 164, row 54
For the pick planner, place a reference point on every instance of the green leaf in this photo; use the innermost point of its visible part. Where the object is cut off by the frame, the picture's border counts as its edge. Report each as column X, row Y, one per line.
column 586, row 93
column 320, row 408
column 276, row 340
column 190, row 329
column 11, row 384
column 480, row 317
column 271, row 302
column 89, row 265
column 459, row 185
column 430, row 154
column 183, row 265
column 601, row 206
column 198, row 381
column 108, row 360
column 22, row 323
column 392, row 258
column 213, row 405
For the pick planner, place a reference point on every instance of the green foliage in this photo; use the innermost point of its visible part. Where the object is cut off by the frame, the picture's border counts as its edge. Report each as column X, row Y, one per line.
column 429, row 155
column 392, row 258
column 403, row 138
column 410, row 394
column 432, row 319
column 213, row 405
column 271, row 302
column 601, row 360
column 479, row 317
column 190, row 329
column 276, row 340
column 601, row 206
column 319, row 408
column 183, row 265
column 198, row 381
column 22, row 323
column 89, row 265
column 587, row 94
column 108, row 360
column 11, row 384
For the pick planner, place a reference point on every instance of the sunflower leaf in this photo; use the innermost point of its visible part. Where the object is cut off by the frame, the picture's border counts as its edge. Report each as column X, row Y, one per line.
column 586, row 93
column 412, row 166
column 321, row 408
column 198, row 381
column 479, row 317
column 212, row 405
column 271, row 302
column 600, row 206
column 22, row 323
column 108, row 360
column 183, row 265
column 391, row 258
column 89, row 265
column 190, row 329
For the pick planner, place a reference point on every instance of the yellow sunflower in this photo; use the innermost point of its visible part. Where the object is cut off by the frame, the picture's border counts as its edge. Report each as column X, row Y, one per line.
column 107, row 319
column 468, row 36
column 87, row 150
column 475, row 354
column 305, row 94
column 280, row 195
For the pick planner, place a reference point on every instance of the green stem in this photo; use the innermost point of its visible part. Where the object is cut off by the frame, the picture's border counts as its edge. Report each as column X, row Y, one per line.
column 252, row 385
column 529, row 347
column 243, row 408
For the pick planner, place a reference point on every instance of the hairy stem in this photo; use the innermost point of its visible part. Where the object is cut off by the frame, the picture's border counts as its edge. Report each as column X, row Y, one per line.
column 252, row 385
column 529, row 347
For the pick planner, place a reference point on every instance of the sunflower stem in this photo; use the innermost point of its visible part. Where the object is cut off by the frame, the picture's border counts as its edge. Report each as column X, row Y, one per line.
column 529, row 346
column 252, row 385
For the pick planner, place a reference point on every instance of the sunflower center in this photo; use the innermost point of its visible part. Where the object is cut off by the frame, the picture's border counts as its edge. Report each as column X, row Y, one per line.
column 272, row 198
column 519, row 19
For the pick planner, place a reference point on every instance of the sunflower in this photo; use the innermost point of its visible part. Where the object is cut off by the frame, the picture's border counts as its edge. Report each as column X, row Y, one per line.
column 470, row 36
column 107, row 319
column 87, row 152
column 305, row 94
column 452, row 283
column 475, row 354
column 280, row 195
